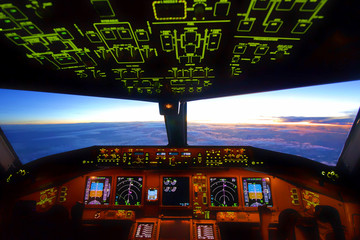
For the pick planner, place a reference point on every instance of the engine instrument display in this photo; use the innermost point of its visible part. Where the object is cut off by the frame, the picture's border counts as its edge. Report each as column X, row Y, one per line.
column 257, row 192
column 205, row 231
column 144, row 231
column 175, row 191
column 97, row 191
column 224, row 192
column 128, row 191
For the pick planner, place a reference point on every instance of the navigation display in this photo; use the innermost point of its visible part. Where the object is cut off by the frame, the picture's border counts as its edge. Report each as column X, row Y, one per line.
column 257, row 192
column 175, row 191
column 144, row 231
column 97, row 191
column 224, row 192
column 128, row 191
column 205, row 231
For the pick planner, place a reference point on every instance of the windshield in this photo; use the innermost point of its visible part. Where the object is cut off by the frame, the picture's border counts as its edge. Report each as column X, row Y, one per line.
column 311, row 122
column 41, row 124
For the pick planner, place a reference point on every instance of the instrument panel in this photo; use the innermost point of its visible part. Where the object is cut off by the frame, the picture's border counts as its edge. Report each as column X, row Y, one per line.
column 176, row 191
column 182, row 193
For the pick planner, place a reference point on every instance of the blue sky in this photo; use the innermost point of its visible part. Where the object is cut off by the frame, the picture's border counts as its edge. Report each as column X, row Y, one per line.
column 332, row 100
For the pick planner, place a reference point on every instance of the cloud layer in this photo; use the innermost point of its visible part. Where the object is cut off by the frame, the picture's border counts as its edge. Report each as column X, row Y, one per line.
column 322, row 143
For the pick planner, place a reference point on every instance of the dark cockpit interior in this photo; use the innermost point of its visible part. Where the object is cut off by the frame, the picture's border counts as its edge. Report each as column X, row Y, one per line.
column 172, row 52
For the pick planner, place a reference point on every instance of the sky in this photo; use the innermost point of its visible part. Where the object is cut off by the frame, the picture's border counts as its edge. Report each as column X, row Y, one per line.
column 295, row 106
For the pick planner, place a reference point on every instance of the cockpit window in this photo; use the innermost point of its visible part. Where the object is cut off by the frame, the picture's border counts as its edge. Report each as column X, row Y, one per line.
column 311, row 122
column 40, row 124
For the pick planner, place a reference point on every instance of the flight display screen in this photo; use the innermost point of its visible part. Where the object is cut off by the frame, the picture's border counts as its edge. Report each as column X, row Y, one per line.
column 224, row 192
column 205, row 231
column 257, row 192
column 128, row 191
column 144, row 231
column 97, row 191
column 175, row 191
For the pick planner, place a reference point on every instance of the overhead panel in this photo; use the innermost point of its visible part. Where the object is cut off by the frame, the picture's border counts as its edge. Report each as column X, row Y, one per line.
column 160, row 48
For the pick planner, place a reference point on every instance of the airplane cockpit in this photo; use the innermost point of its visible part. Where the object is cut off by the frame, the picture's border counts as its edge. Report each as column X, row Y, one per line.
column 172, row 53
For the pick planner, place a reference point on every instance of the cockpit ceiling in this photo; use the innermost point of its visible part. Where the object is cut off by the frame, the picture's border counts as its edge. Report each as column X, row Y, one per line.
column 183, row 50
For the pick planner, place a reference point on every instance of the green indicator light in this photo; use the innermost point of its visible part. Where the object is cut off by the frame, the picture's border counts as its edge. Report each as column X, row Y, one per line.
column 69, row 58
column 63, row 33
column 31, row 27
column 60, row 59
column 16, row 38
column 7, row 21
column 13, row 10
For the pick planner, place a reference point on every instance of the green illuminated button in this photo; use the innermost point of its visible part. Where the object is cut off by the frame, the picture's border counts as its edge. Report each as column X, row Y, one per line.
column 65, row 35
column 214, row 41
column 261, row 50
column 166, row 42
column 15, row 13
column 239, row 49
column 245, row 25
column 142, row 35
column 7, row 24
column 66, row 60
column 261, row 4
column 108, row 34
column 310, row 5
column 17, row 40
column 125, row 34
column 222, row 9
column 301, row 27
column 285, row 5
column 273, row 26
column 93, row 37
column 32, row 29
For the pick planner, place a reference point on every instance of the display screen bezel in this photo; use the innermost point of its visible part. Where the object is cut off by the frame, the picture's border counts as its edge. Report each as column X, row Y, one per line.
column 240, row 201
column 142, row 191
column 162, row 195
column 243, row 192
column 109, row 198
